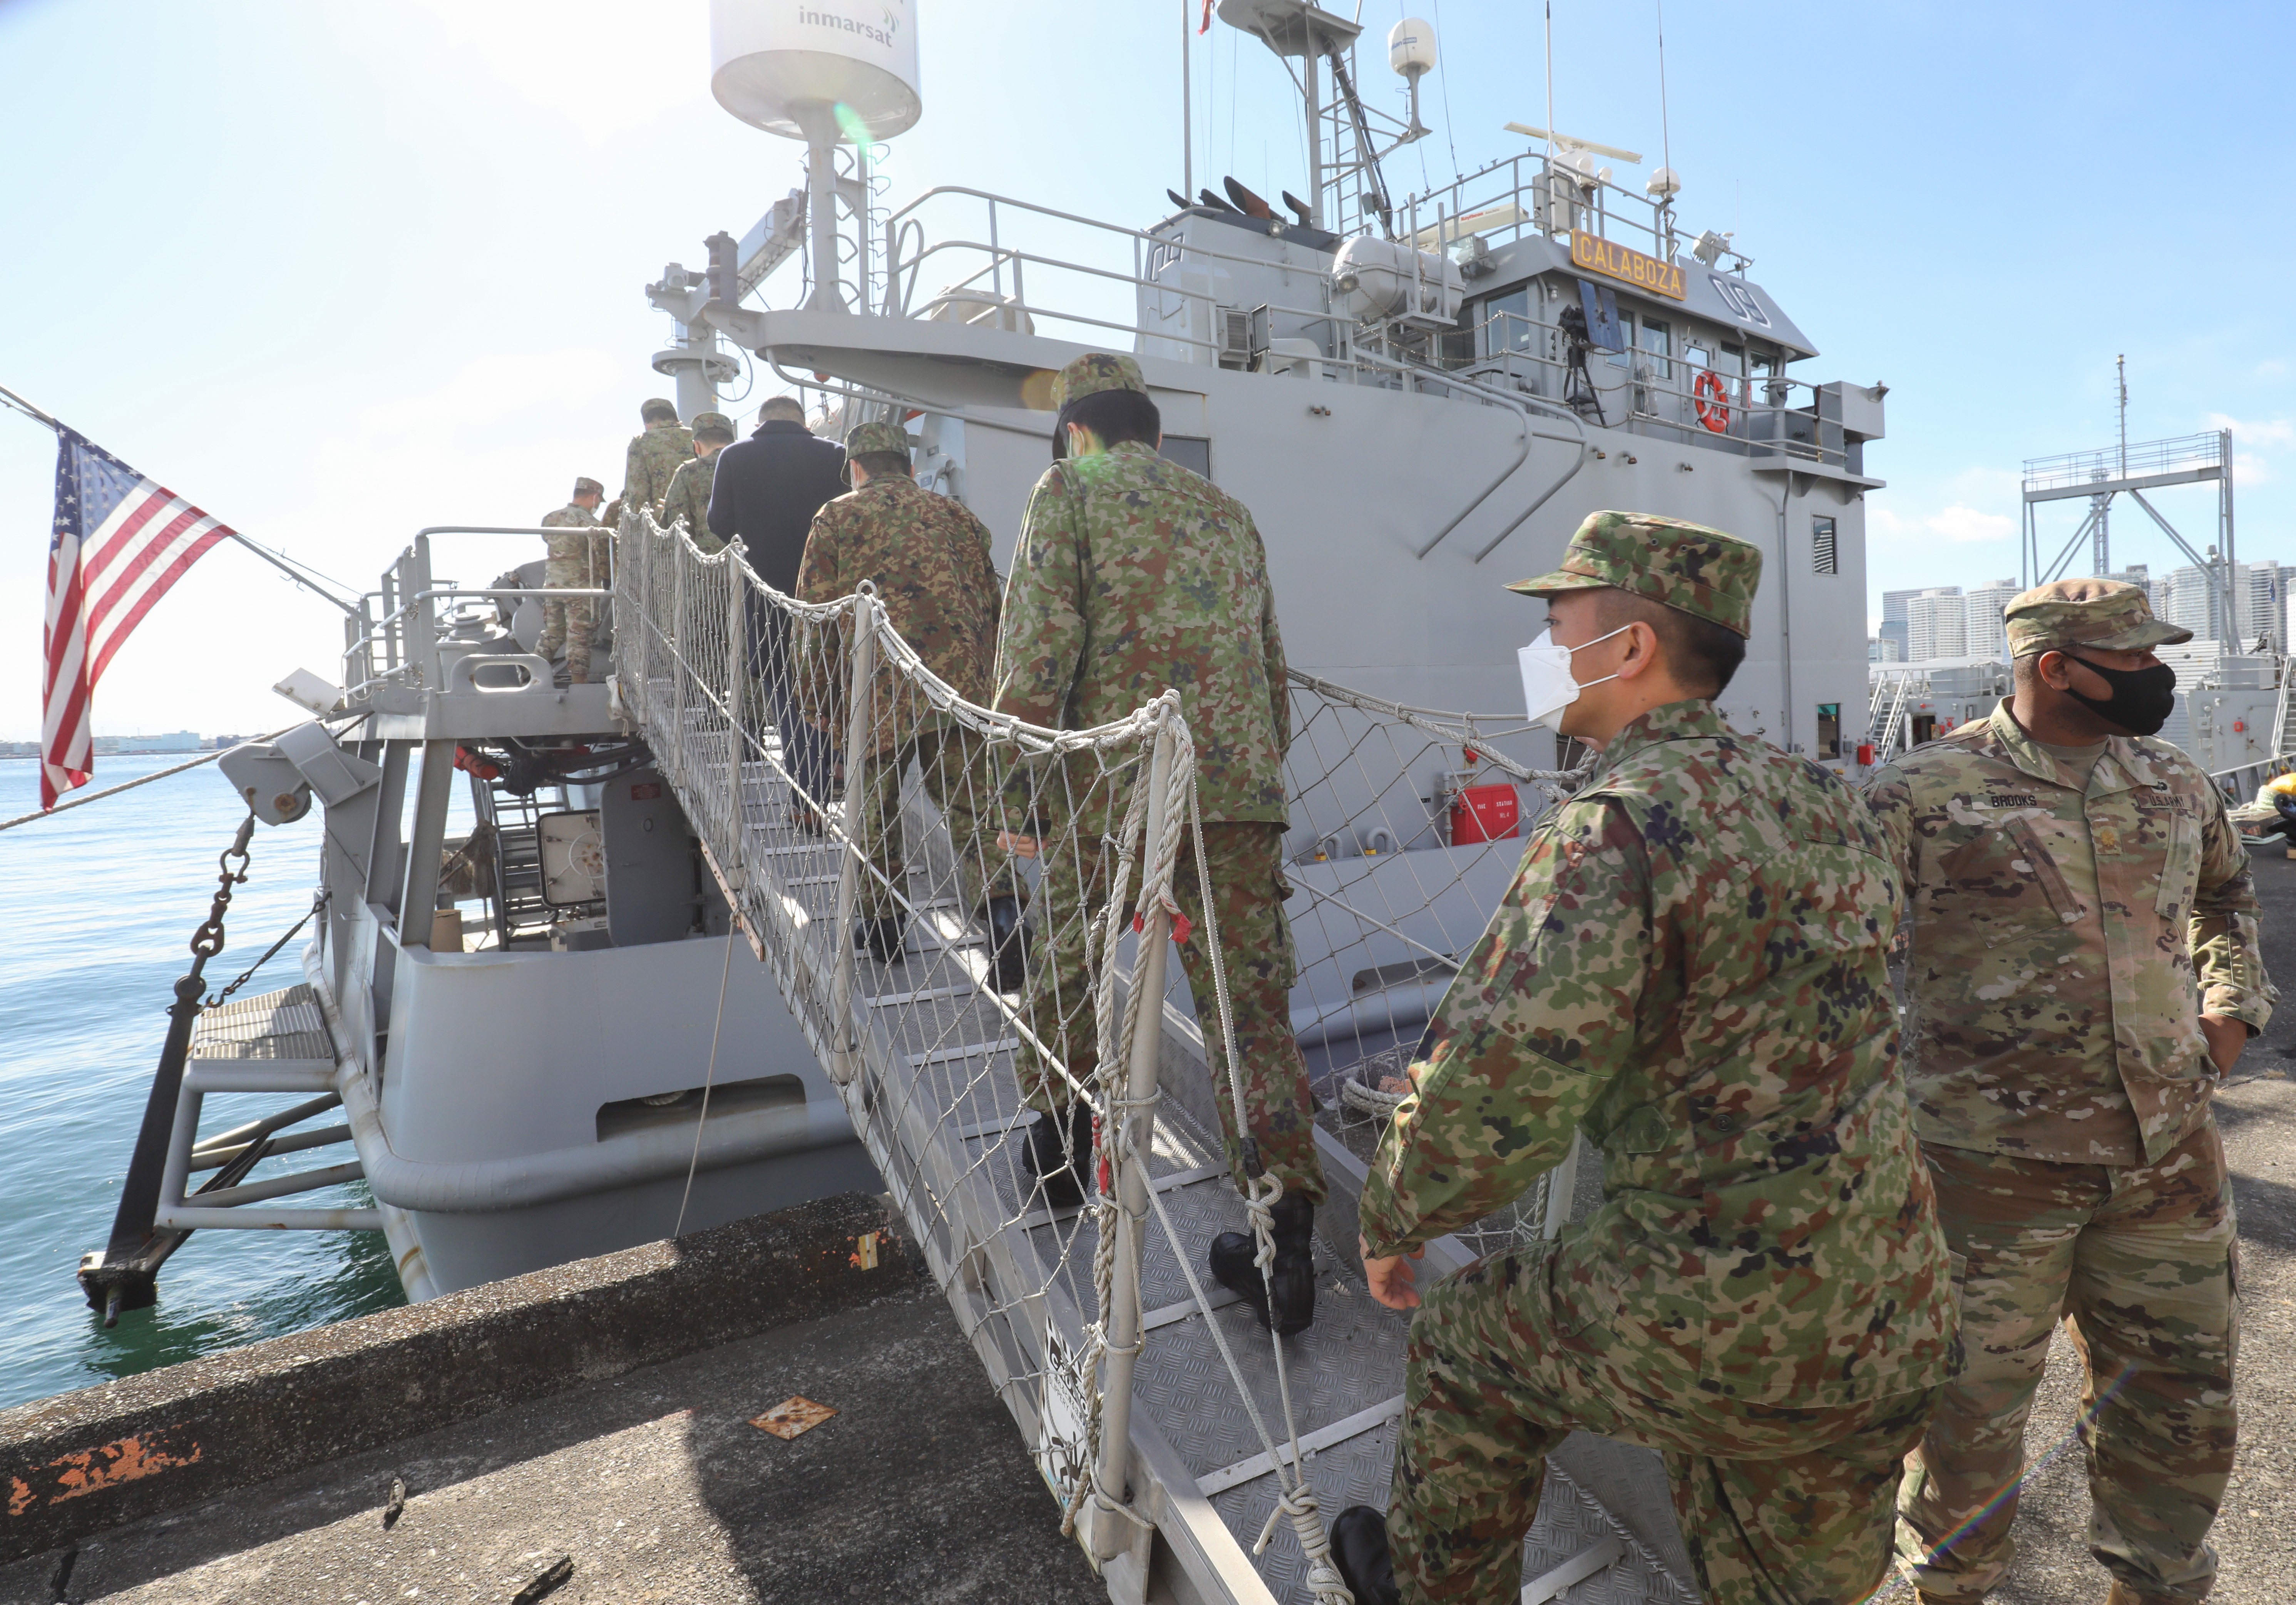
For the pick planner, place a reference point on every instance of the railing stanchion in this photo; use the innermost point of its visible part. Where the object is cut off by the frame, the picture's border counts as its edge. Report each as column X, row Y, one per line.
column 860, row 732
column 737, row 698
column 681, row 663
column 1132, row 1147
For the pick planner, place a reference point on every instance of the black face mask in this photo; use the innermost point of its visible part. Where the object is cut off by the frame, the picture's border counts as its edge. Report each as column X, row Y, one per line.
column 2142, row 699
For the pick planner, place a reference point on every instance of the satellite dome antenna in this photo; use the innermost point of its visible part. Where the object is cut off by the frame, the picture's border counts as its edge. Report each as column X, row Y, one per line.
column 829, row 72
column 1411, row 55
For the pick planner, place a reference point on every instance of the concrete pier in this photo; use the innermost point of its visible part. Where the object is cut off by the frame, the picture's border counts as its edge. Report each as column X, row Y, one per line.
column 599, row 1411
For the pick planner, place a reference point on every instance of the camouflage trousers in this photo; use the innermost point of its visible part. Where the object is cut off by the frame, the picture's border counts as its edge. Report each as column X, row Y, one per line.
column 1778, row 1505
column 1246, row 864
column 2142, row 1264
column 568, row 621
column 950, row 764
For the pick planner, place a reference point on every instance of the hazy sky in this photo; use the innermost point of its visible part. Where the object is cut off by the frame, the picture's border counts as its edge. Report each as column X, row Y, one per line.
column 335, row 272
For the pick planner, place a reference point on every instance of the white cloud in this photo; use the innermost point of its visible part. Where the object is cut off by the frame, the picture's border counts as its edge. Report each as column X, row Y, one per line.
column 2272, row 434
column 1959, row 523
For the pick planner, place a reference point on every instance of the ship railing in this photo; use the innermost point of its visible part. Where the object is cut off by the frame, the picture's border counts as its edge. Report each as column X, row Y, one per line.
column 2242, row 782
column 2182, row 454
column 405, row 632
column 1748, row 413
column 1529, row 193
column 1094, row 265
column 858, row 815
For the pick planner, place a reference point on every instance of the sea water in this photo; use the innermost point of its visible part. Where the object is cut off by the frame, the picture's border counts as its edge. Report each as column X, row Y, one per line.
column 97, row 908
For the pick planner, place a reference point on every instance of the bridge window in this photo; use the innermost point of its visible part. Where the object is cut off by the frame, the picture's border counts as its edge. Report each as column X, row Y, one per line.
column 1658, row 341
column 1510, row 322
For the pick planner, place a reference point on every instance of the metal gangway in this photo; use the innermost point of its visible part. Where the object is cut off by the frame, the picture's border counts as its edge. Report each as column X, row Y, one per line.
column 830, row 775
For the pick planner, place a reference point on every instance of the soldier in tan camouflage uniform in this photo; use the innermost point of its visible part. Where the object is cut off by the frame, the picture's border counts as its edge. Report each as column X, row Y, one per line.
column 2083, row 968
column 577, row 560
column 1133, row 575
column 928, row 556
column 655, row 455
column 1691, row 968
column 688, row 496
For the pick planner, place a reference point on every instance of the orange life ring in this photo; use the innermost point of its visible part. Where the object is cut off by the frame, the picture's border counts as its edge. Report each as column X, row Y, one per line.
column 1710, row 396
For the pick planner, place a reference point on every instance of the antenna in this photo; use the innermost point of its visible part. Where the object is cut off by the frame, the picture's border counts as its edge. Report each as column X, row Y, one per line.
column 2120, row 378
column 1666, row 183
column 1665, row 137
column 1570, row 143
column 1187, row 112
column 1550, row 81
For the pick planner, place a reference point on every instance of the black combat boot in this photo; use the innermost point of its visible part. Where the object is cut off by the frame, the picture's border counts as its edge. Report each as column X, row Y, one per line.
column 1008, row 944
column 1059, row 1155
column 883, row 937
column 1359, row 1547
column 1293, row 1272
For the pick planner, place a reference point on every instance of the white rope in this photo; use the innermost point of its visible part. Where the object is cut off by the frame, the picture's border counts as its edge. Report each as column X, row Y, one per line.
column 1261, row 1195
column 129, row 786
column 1299, row 1499
column 1456, row 730
column 708, row 1080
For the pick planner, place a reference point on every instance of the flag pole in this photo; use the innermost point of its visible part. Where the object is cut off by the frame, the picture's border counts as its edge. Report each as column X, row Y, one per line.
column 26, row 407
column 283, row 563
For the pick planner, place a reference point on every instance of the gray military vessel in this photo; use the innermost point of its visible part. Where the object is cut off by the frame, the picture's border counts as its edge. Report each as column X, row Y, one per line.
column 615, row 995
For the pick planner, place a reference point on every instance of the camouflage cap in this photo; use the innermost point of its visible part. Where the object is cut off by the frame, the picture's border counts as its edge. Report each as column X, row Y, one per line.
column 712, row 423
column 1704, row 573
column 882, row 435
column 2107, row 614
column 588, row 487
column 1093, row 372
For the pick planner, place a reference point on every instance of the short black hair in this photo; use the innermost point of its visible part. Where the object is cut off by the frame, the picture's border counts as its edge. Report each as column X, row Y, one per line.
column 658, row 412
column 875, row 463
column 788, row 408
column 1703, row 655
column 1115, row 416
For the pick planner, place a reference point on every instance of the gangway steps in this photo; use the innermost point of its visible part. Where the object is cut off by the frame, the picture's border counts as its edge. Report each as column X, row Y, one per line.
column 942, row 1114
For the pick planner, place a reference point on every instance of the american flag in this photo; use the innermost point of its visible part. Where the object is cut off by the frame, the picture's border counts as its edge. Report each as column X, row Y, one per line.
column 121, row 539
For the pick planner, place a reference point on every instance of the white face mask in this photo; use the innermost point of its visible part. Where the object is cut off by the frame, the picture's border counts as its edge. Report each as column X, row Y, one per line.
column 1547, row 689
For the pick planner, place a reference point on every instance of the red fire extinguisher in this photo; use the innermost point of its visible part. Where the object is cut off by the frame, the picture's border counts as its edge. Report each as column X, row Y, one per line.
column 1491, row 812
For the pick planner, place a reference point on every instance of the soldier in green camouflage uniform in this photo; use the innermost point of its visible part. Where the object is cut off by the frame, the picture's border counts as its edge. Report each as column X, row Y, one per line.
column 928, row 556
column 688, row 496
column 1131, row 575
column 1691, row 968
column 655, row 455
column 577, row 560
column 2083, row 967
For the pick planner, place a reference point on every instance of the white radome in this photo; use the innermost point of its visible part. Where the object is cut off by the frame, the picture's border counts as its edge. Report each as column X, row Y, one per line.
column 1411, row 47
column 809, row 69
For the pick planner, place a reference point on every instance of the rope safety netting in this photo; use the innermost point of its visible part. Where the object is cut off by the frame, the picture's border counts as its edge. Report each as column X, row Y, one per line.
column 1408, row 827
column 965, row 913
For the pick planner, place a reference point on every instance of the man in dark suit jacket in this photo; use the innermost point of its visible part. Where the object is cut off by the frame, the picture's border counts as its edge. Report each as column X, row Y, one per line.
column 768, row 489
